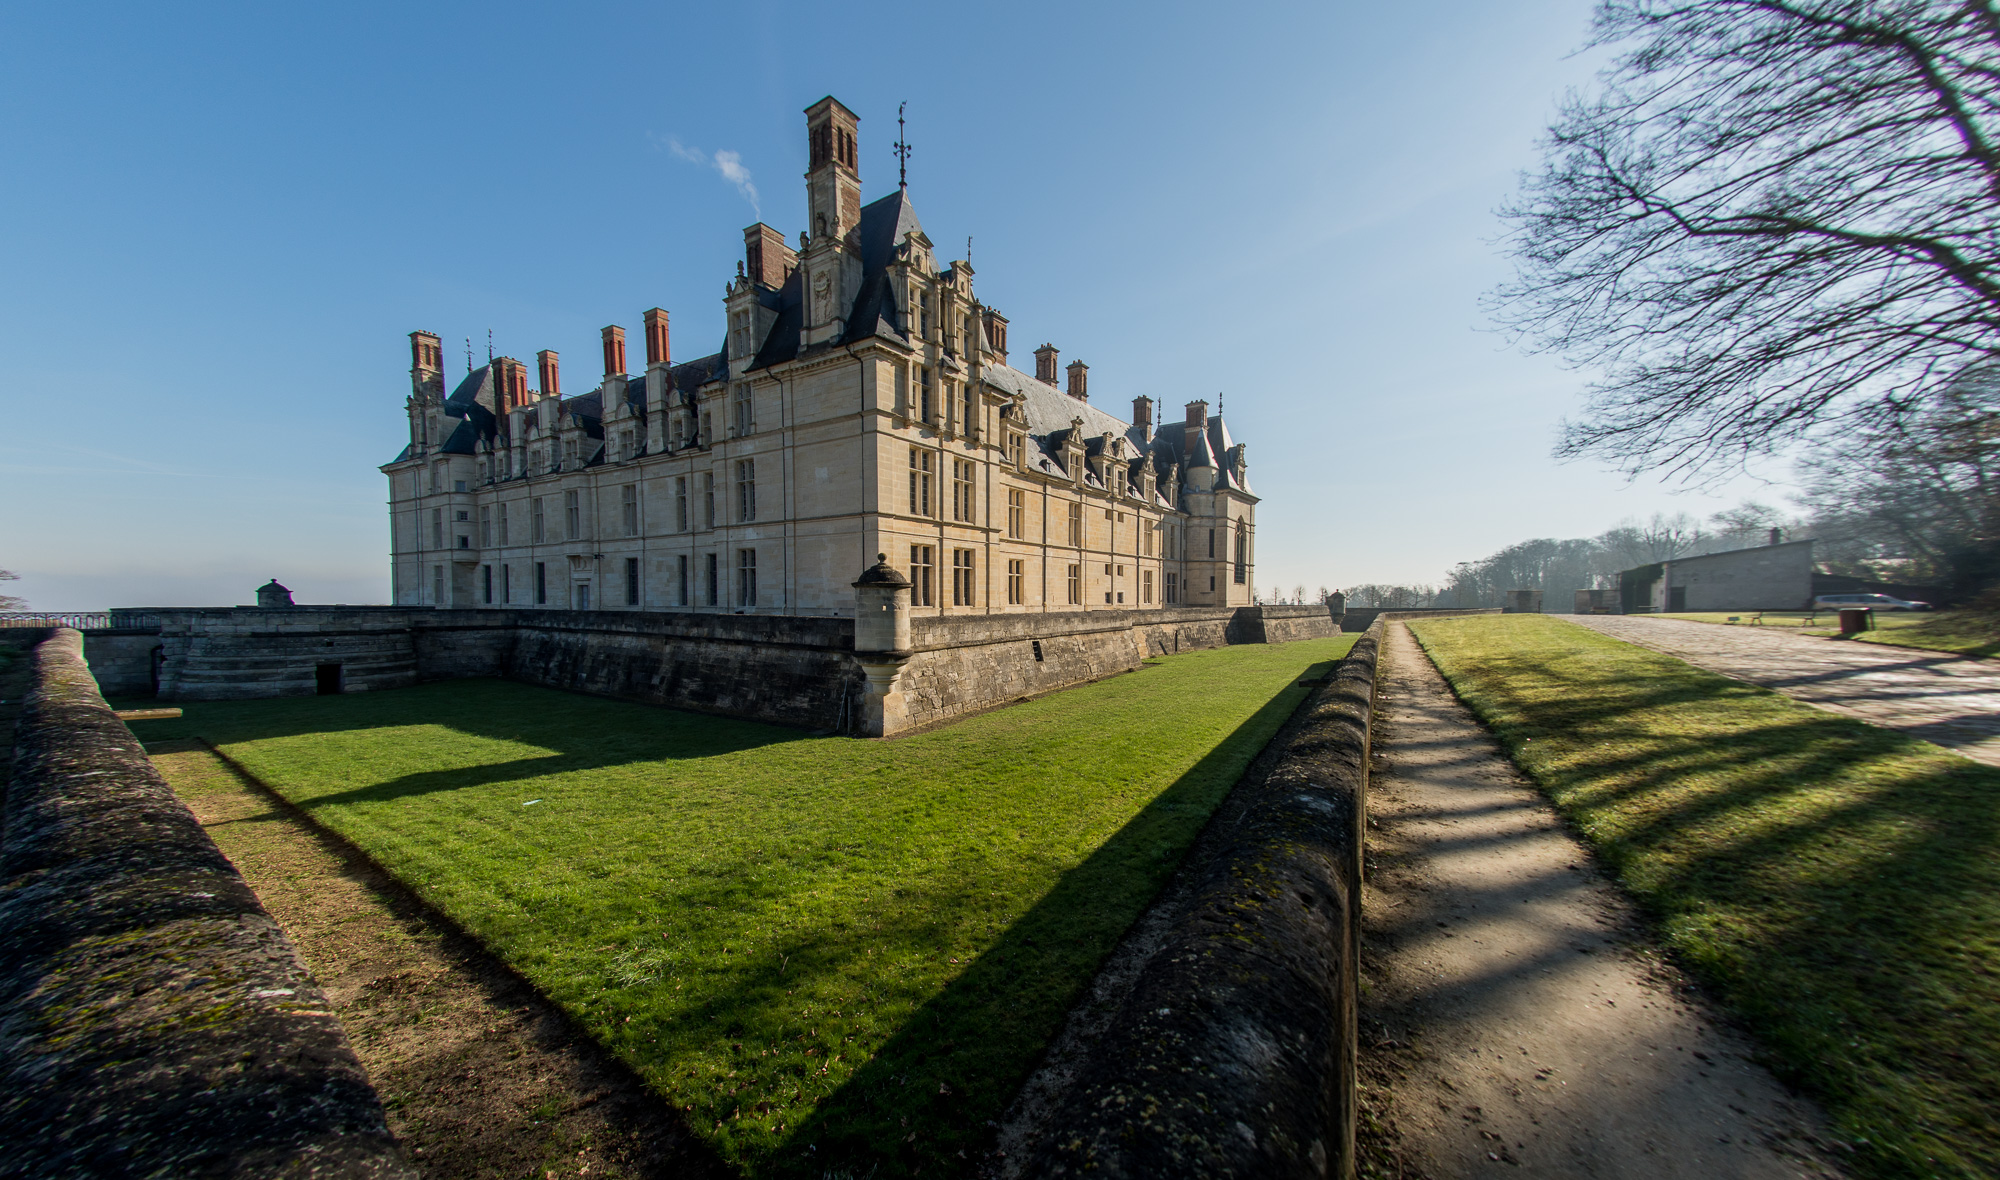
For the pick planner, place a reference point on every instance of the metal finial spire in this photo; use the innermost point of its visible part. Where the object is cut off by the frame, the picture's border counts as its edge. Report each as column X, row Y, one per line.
column 468, row 355
column 489, row 345
column 968, row 251
column 902, row 150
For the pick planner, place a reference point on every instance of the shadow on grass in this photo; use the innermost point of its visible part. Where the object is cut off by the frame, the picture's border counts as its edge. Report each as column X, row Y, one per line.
column 1837, row 883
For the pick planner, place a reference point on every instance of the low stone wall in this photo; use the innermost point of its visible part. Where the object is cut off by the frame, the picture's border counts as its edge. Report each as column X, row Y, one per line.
column 122, row 659
column 1360, row 618
column 155, row 1020
column 1287, row 624
column 1234, row 1054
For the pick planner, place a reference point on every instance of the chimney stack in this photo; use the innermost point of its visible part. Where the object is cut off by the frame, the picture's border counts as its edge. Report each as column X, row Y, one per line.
column 426, row 360
column 551, row 378
column 1775, row 534
column 512, row 383
column 1079, row 380
column 996, row 333
column 614, row 351
column 1197, row 413
column 768, row 260
column 1142, row 414
column 1045, row 364
column 657, row 352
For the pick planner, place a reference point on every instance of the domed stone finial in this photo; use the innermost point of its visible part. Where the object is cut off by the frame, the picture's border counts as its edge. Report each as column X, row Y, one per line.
column 881, row 557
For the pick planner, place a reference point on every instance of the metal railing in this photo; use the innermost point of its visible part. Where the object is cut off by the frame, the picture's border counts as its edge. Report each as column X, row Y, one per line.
column 81, row 620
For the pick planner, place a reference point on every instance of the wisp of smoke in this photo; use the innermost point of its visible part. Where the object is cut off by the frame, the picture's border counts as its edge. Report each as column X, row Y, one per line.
column 729, row 164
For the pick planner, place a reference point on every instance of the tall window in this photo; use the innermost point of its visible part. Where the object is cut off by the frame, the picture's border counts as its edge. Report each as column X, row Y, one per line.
column 968, row 422
column 486, row 583
column 437, row 585
column 1146, row 587
column 744, row 409
column 927, row 406
column 1017, row 448
column 1017, row 513
column 628, row 508
column 1242, row 551
column 572, row 515
column 1211, row 542
column 631, row 581
column 1076, row 524
column 625, row 448
column 541, row 582
column 506, row 583
column 961, row 490
column 1075, row 584
column 437, row 528
column 503, row 525
column 681, row 595
column 920, row 575
column 746, row 577
column 681, row 506
column 581, row 597
column 1146, row 532
column 1173, row 587
column 708, row 501
column 1017, row 582
column 486, row 530
column 961, row 578
column 920, row 481
column 714, row 579
column 678, row 437
column 539, row 533
column 746, row 490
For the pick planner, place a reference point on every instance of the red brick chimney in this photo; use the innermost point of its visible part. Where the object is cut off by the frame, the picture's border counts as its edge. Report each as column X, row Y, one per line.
column 996, row 333
column 511, row 383
column 1197, row 413
column 1045, row 364
column 1079, row 380
column 657, row 352
column 551, row 376
column 614, row 351
column 1142, row 414
column 766, row 257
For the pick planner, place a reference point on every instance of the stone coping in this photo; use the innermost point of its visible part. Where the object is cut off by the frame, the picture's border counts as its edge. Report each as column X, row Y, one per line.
column 154, row 1020
column 1234, row 1054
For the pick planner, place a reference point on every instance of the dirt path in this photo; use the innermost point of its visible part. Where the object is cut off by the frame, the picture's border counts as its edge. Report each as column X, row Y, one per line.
column 1953, row 701
column 481, row 1077
column 1515, row 1013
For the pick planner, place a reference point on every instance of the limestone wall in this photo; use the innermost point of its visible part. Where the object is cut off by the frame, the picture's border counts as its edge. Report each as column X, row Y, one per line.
column 157, row 1021
column 122, row 659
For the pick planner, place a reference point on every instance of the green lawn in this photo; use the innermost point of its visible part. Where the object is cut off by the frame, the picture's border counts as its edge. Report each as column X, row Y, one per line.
column 1966, row 633
column 827, row 952
column 1837, row 885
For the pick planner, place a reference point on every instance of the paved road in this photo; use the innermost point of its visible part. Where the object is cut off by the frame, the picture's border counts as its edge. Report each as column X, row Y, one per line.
column 1517, row 1012
column 1949, row 700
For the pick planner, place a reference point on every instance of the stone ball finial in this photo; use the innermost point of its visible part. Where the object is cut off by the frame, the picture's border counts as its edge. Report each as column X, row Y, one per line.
column 881, row 557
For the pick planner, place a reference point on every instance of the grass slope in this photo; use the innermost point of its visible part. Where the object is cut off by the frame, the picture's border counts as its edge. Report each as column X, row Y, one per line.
column 825, row 951
column 1837, row 884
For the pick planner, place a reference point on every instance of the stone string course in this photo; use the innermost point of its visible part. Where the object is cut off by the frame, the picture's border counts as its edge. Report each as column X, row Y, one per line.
column 154, row 1020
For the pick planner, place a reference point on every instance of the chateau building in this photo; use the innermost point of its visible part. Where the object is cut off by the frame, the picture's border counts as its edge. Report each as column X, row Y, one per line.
column 862, row 404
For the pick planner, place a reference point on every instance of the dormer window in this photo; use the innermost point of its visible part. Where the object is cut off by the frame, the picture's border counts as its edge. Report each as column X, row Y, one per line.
column 1016, row 448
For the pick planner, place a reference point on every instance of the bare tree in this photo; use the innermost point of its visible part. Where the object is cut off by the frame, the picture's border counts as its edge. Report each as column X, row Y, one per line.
column 8, row 601
column 1770, row 215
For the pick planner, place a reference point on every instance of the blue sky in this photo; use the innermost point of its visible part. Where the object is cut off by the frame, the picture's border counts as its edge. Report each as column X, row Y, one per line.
column 223, row 220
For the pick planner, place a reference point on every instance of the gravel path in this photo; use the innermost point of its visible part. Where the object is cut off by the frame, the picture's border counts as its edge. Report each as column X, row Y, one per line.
column 1515, row 1012
column 1950, row 700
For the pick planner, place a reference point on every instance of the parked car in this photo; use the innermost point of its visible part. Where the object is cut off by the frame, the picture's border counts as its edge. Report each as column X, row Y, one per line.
column 1871, row 601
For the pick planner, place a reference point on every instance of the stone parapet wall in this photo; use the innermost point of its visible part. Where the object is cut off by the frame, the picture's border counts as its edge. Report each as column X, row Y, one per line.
column 157, row 1022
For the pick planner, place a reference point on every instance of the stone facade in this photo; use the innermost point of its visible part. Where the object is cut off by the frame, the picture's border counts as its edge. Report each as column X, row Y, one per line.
column 861, row 403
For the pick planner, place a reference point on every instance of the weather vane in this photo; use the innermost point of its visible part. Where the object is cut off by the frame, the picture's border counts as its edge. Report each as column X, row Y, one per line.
column 902, row 150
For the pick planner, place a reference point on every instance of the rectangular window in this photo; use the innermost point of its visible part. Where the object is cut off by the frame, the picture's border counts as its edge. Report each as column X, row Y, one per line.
column 503, row 524
column 746, row 490
column 572, row 516
column 1017, row 513
column 1017, row 582
column 628, row 509
column 708, row 501
column 961, row 578
column 1146, row 587
column 920, row 575
column 631, row 581
column 961, row 490
column 506, row 583
column 1017, row 448
column 625, row 448
column 1173, row 588
column 539, row 533
column 437, row 585
column 1145, row 539
column 581, row 599
column 681, row 595
column 1211, row 542
column 746, row 420
column 457, row 485
column 1076, row 524
column 437, row 528
column 486, row 583
column 928, row 410
column 920, row 482
column 679, row 438
column 714, row 579
column 1075, row 584
column 465, row 540
column 1242, row 552
column 485, row 526
column 968, row 422
column 707, row 427
column 681, row 506
column 746, row 577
